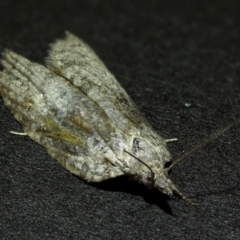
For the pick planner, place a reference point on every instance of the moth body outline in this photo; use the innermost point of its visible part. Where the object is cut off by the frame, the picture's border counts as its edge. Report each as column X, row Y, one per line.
column 80, row 114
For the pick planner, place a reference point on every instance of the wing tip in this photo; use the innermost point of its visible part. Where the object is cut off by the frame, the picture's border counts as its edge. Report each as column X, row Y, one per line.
column 5, row 53
column 67, row 34
column 50, row 59
column 10, row 58
column 8, row 53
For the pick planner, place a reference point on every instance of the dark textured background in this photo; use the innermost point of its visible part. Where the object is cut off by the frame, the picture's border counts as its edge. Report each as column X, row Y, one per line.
column 166, row 54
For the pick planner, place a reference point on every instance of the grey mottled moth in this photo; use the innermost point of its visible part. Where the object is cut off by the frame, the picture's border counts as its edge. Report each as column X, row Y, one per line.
column 81, row 115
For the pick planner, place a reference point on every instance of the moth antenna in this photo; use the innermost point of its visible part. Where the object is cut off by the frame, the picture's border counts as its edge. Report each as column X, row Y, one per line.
column 182, row 196
column 152, row 173
column 205, row 142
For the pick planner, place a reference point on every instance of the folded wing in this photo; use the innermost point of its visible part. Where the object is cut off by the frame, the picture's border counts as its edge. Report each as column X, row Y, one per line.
column 73, row 128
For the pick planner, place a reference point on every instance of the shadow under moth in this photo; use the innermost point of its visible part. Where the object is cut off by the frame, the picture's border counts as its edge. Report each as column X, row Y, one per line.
column 76, row 109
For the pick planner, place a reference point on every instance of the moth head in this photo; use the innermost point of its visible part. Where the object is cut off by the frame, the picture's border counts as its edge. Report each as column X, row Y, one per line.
column 156, row 178
column 165, row 185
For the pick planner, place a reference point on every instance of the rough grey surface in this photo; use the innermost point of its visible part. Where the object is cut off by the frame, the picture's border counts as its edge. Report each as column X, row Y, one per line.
column 166, row 55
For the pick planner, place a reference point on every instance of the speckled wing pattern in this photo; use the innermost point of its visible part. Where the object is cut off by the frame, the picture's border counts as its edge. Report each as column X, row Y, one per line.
column 58, row 116
column 77, row 110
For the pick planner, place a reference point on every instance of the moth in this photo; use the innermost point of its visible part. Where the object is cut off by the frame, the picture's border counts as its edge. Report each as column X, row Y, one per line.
column 76, row 109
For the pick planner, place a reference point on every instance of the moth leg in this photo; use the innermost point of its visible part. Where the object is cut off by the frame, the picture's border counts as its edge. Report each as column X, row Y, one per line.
column 171, row 140
column 18, row 133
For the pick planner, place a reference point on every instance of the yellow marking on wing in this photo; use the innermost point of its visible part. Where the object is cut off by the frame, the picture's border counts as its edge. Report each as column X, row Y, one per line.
column 80, row 123
column 53, row 130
